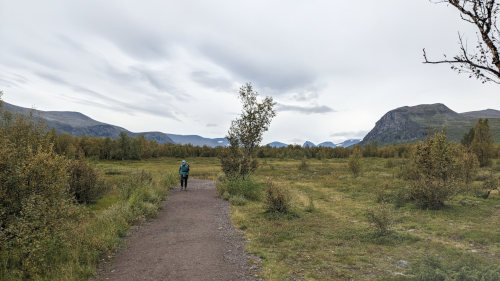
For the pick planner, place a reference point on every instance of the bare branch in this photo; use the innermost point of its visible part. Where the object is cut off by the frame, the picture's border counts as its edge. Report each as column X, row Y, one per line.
column 484, row 62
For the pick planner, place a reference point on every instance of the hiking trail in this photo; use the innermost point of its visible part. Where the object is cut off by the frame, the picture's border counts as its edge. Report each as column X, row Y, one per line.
column 192, row 238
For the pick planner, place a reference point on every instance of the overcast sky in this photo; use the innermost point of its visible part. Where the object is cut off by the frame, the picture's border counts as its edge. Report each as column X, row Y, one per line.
column 334, row 67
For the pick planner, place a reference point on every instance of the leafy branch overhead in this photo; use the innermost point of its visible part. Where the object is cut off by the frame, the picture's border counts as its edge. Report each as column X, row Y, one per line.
column 483, row 62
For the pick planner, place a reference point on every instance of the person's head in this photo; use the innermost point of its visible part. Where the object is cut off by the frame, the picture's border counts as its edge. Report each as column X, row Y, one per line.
column 183, row 162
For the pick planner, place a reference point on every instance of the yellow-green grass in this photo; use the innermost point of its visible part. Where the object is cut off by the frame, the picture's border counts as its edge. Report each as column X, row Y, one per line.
column 335, row 241
column 201, row 167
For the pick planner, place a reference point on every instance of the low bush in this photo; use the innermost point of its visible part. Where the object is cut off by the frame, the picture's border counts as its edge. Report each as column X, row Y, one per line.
column 354, row 163
column 436, row 172
column 247, row 188
column 278, row 198
column 238, row 200
column 310, row 208
column 84, row 182
column 381, row 217
column 389, row 164
column 303, row 166
column 466, row 269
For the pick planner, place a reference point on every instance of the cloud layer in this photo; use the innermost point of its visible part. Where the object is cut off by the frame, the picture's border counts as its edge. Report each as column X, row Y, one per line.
column 334, row 67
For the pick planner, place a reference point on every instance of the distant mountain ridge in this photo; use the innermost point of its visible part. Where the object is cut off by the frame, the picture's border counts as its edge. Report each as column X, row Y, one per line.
column 348, row 143
column 411, row 123
column 78, row 124
column 277, row 144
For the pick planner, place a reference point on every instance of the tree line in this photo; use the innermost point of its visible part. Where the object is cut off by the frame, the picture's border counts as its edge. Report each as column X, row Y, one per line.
column 129, row 148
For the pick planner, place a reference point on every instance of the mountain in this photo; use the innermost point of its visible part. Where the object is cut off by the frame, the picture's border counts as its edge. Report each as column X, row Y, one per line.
column 277, row 144
column 488, row 113
column 308, row 144
column 327, row 144
column 78, row 124
column 198, row 140
column 411, row 123
column 348, row 143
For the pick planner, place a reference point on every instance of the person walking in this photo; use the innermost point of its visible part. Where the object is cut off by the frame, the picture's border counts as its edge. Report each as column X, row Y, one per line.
column 184, row 173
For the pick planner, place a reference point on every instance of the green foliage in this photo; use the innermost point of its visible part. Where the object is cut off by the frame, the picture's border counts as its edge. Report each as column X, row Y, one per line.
column 381, row 217
column 389, row 164
column 278, row 199
column 37, row 213
column 311, row 208
column 245, row 133
column 237, row 186
column 467, row 164
column 435, row 172
column 84, row 182
column 430, row 269
column 303, row 166
column 491, row 182
column 44, row 234
column 466, row 269
column 482, row 144
column 468, row 138
column 354, row 162
column 238, row 200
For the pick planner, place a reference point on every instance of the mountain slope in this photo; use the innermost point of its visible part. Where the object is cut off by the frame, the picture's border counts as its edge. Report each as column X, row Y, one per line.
column 277, row 144
column 348, row 143
column 308, row 144
column 488, row 113
column 197, row 140
column 327, row 144
column 410, row 124
column 78, row 124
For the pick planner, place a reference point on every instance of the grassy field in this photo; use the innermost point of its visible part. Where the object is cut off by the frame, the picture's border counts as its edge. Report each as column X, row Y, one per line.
column 328, row 236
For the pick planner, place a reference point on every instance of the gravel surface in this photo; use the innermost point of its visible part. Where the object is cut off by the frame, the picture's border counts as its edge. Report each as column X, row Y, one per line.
column 191, row 239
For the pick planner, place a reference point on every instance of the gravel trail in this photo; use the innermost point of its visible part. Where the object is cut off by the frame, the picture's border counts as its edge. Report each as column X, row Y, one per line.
column 191, row 239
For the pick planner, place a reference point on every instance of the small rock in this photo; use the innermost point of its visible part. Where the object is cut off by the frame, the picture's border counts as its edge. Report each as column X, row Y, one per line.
column 403, row 264
column 411, row 230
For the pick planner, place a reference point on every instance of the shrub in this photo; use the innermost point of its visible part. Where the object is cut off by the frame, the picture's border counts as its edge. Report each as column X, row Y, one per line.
column 429, row 269
column 490, row 183
column 310, row 208
column 237, row 200
column 468, row 164
column 84, row 182
column 278, row 198
column 303, row 166
column 465, row 269
column 236, row 185
column 381, row 217
column 389, row 164
column 354, row 163
column 435, row 172
column 482, row 144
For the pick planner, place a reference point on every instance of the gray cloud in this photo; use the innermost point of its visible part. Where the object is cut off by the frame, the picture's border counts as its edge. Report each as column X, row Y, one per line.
column 349, row 134
column 183, row 60
column 210, row 80
column 278, row 75
column 305, row 109
column 212, row 125
column 158, row 108
column 305, row 96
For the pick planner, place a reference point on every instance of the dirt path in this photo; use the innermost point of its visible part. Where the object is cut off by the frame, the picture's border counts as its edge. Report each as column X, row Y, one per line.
column 191, row 239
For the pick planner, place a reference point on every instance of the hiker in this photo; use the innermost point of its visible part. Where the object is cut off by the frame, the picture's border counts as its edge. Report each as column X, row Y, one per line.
column 184, row 172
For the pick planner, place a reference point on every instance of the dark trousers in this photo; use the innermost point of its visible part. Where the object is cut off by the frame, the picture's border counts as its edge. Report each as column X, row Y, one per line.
column 184, row 181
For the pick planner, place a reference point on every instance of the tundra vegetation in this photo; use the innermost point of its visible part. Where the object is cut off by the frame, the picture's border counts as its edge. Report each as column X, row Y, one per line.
column 424, row 211
column 59, row 215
